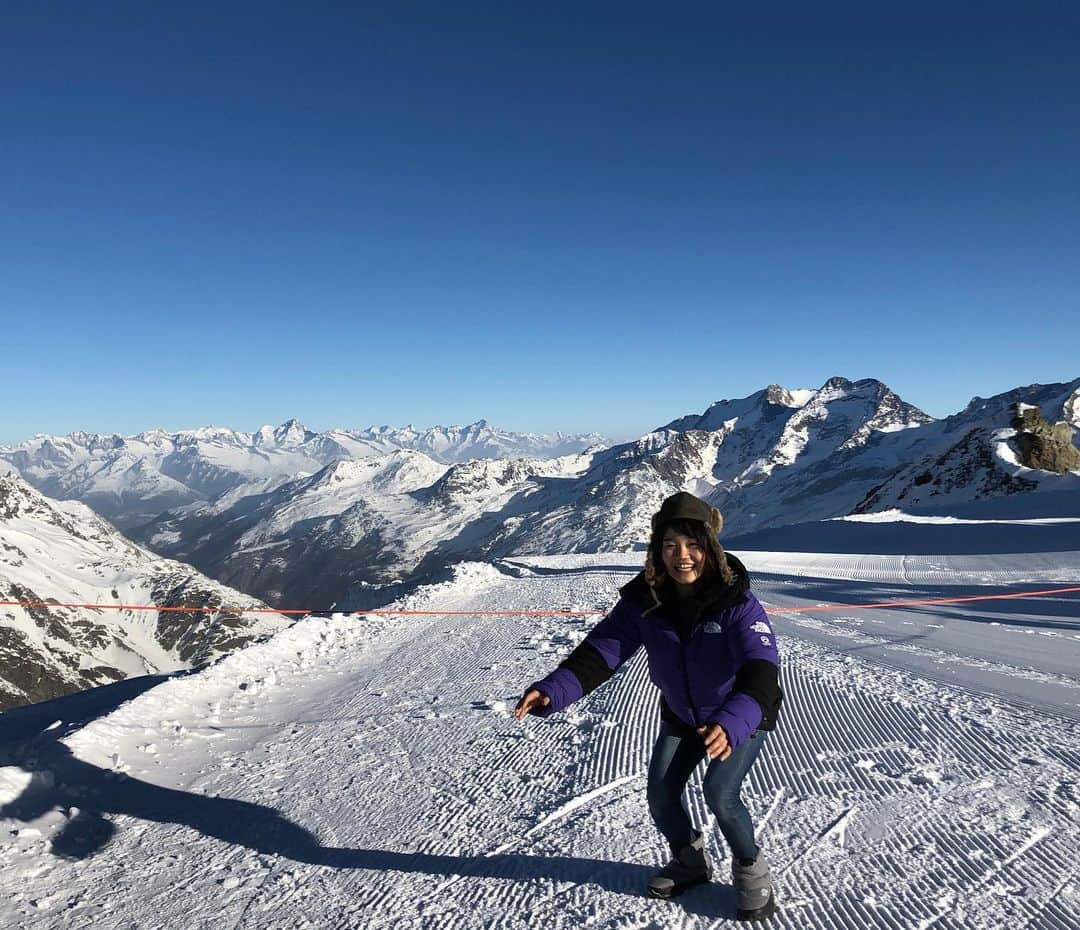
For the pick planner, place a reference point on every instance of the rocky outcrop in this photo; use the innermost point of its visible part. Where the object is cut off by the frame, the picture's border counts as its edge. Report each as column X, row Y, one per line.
column 1044, row 445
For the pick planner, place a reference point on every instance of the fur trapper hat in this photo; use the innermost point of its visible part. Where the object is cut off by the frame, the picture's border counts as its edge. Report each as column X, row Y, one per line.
column 685, row 506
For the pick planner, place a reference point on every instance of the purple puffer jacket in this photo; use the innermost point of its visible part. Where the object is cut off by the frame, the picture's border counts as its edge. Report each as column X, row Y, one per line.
column 698, row 677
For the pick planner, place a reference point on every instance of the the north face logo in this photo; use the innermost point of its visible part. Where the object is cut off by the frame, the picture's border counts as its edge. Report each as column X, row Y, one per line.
column 714, row 627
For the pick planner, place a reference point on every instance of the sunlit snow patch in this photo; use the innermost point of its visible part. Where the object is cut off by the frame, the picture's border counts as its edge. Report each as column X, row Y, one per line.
column 13, row 782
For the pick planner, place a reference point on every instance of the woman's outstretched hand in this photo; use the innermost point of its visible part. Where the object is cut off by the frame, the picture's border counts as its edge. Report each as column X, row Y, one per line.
column 716, row 741
column 531, row 700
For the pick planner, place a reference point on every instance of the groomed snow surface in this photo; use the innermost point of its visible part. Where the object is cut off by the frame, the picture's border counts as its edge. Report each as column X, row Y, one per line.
column 359, row 772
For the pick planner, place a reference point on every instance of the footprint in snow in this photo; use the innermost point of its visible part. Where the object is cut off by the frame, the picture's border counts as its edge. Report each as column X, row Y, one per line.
column 498, row 707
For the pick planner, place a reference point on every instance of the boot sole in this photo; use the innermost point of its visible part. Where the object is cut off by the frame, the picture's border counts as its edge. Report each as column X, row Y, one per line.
column 676, row 890
column 760, row 913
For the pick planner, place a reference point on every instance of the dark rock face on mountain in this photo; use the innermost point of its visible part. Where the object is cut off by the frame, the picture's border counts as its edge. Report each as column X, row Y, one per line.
column 1044, row 445
column 53, row 553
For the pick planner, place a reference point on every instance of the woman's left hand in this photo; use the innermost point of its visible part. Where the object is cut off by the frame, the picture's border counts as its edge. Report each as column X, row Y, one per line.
column 716, row 741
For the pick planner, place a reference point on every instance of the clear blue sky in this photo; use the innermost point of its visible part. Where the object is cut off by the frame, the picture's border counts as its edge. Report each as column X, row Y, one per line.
column 577, row 216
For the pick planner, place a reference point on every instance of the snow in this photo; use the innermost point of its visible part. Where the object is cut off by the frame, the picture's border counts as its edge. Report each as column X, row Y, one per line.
column 1070, row 410
column 1003, row 450
column 895, row 515
column 1046, row 522
column 368, row 772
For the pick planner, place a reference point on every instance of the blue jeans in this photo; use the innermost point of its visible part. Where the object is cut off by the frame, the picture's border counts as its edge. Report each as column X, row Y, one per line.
column 674, row 759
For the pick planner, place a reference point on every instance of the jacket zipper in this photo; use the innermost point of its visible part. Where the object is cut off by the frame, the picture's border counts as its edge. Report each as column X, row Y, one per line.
column 686, row 684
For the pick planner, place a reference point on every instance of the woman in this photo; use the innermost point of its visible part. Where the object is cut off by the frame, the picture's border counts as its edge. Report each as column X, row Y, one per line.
column 712, row 654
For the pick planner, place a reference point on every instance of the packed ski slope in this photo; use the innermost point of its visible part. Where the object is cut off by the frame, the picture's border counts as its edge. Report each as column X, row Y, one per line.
column 368, row 772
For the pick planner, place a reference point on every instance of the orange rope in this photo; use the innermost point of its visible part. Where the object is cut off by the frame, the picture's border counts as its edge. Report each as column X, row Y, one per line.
column 522, row 613
column 938, row 600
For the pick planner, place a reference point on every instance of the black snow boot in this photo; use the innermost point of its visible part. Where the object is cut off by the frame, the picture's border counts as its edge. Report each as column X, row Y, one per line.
column 689, row 866
column 754, row 888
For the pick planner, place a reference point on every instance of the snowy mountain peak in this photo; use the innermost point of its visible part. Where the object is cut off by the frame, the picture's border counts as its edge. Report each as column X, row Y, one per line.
column 292, row 433
column 776, row 401
column 837, row 383
column 782, row 397
column 480, row 440
column 1057, row 401
column 263, row 437
column 21, row 501
column 289, row 434
column 970, row 455
column 96, row 440
column 840, row 388
column 400, row 471
column 178, row 469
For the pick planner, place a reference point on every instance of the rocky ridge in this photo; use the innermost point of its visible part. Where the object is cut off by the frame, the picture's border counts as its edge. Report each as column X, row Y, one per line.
column 61, row 552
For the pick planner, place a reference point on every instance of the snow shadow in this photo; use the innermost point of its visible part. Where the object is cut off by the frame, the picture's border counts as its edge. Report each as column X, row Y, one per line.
column 364, row 596
column 523, row 569
column 61, row 781
column 901, row 538
column 31, row 739
column 91, row 795
column 1048, row 612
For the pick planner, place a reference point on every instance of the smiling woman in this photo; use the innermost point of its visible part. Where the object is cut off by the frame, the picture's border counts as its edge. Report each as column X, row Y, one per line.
column 712, row 654
column 684, row 556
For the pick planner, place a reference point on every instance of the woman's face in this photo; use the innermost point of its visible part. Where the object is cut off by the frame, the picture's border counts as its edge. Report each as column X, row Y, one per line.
column 684, row 558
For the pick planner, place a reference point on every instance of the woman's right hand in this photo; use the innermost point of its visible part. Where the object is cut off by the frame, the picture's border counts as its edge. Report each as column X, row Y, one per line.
column 529, row 702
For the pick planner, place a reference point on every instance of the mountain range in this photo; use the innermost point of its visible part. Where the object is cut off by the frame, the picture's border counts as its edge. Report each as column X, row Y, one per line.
column 384, row 514
column 131, row 479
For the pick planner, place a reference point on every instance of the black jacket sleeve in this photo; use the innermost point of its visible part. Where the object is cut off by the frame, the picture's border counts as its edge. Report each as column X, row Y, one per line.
column 760, row 679
column 588, row 666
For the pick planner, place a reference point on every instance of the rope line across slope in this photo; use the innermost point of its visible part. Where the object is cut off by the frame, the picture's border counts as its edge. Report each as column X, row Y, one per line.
column 45, row 605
